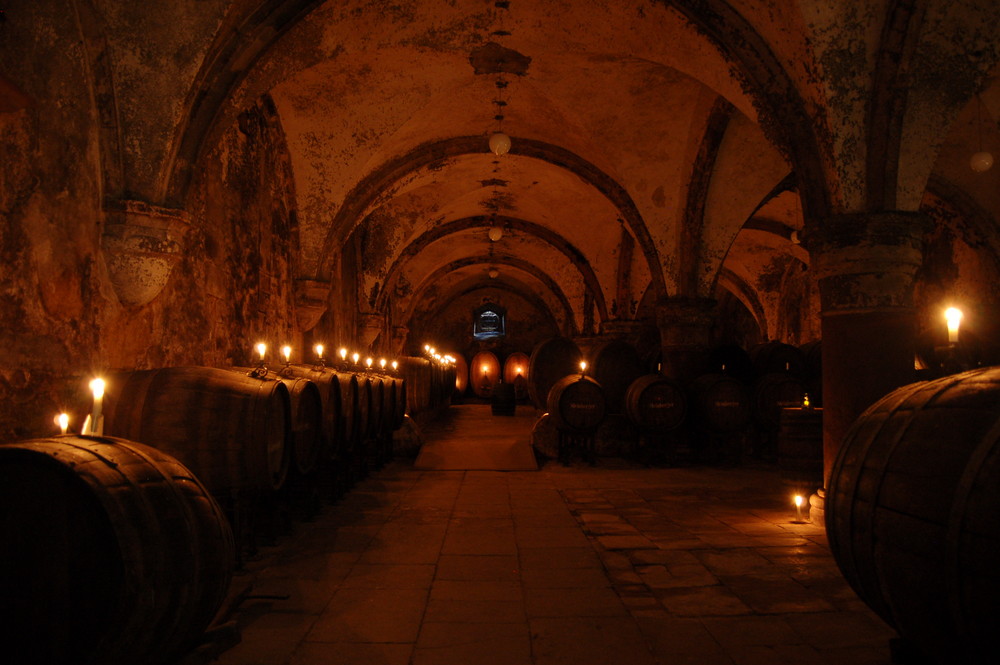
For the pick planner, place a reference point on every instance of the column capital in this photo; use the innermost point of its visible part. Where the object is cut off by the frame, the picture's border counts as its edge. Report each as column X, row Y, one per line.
column 867, row 261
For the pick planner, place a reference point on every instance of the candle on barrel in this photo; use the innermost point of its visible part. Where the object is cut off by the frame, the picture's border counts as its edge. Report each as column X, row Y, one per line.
column 286, row 351
column 318, row 349
column 395, row 365
column 262, row 352
column 368, row 362
column 95, row 425
column 62, row 420
column 953, row 317
column 381, row 363
column 583, row 367
column 343, row 354
column 356, row 357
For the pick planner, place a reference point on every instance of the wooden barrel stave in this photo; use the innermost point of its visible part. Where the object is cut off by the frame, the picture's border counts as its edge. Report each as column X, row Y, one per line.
column 576, row 404
column 232, row 430
column 913, row 488
column 123, row 553
column 656, row 404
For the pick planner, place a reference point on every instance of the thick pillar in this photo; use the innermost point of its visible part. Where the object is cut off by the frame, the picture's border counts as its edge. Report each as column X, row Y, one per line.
column 685, row 332
column 865, row 264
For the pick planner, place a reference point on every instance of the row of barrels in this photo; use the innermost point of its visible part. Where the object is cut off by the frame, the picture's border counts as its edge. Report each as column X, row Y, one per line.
column 484, row 372
column 720, row 401
column 121, row 548
column 429, row 385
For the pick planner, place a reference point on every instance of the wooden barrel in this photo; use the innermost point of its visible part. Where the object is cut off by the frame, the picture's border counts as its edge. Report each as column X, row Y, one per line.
column 484, row 373
column 576, row 404
column 461, row 374
column 391, row 416
column 730, row 359
column 550, row 361
column 231, row 429
column 615, row 364
column 307, row 433
column 328, row 384
column 911, row 513
column 800, row 449
column 365, row 397
column 401, row 393
column 721, row 403
column 113, row 553
column 772, row 393
column 503, row 402
column 775, row 356
column 376, row 417
column 516, row 365
column 417, row 373
column 655, row 403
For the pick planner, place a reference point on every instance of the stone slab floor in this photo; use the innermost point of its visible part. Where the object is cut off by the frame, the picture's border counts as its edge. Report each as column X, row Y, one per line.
column 567, row 566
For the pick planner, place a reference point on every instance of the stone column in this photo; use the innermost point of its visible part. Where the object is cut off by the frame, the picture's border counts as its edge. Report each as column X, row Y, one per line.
column 685, row 332
column 864, row 264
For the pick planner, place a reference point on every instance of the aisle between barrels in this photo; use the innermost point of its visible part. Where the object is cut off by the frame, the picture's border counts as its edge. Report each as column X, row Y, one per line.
column 580, row 565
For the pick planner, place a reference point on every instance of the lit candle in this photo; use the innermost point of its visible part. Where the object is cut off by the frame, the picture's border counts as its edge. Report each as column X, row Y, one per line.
column 799, row 500
column 427, row 348
column 262, row 350
column 286, row 351
column 583, row 367
column 343, row 354
column 319, row 351
column 96, row 419
column 395, row 365
column 63, row 421
column 368, row 362
column 431, row 350
column 519, row 370
column 356, row 357
column 805, row 400
column 382, row 362
column 953, row 316
column 485, row 370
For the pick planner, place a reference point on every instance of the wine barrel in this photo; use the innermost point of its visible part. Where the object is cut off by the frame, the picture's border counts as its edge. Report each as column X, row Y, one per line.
column 655, row 404
column 113, row 553
column 721, row 403
column 231, row 429
column 335, row 416
column 503, row 402
column 576, row 404
column 775, row 356
column 366, row 394
column 911, row 513
column 417, row 373
column 615, row 364
column 514, row 366
column 732, row 360
column 550, row 361
column 461, row 374
column 484, row 373
column 307, row 436
column 773, row 392
column 800, row 449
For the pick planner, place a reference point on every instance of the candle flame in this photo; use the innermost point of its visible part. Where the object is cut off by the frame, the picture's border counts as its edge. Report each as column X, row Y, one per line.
column 799, row 500
column 287, row 352
column 319, row 350
column 953, row 316
column 343, row 353
column 97, row 387
column 63, row 421
column 395, row 364
column 368, row 362
column 381, row 362
column 583, row 365
column 805, row 400
column 519, row 370
column 486, row 369
column 356, row 357
column 261, row 349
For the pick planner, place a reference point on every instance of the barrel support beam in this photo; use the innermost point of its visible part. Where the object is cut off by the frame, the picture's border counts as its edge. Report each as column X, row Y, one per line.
column 865, row 264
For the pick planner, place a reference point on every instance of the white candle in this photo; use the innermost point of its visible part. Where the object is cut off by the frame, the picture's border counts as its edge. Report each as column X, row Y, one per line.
column 261, row 350
column 382, row 363
column 96, row 425
column 953, row 316
column 395, row 365
column 319, row 351
column 343, row 354
column 63, row 421
column 286, row 351
column 799, row 500
column 368, row 362
column 583, row 366
column 356, row 357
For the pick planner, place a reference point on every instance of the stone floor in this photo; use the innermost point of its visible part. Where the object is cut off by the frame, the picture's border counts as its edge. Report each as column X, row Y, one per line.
column 574, row 566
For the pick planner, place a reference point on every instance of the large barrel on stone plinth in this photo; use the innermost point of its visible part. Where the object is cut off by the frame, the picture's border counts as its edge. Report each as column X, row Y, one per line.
column 656, row 404
column 484, row 373
column 773, row 392
column 615, row 364
column 912, row 511
column 113, row 552
column 800, row 449
column 775, row 356
column 231, row 429
column 576, row 404
column 721, row 404
column 550, row 361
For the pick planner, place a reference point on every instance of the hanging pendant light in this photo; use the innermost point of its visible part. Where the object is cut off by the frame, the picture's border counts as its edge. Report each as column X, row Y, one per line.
column 499, row 143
